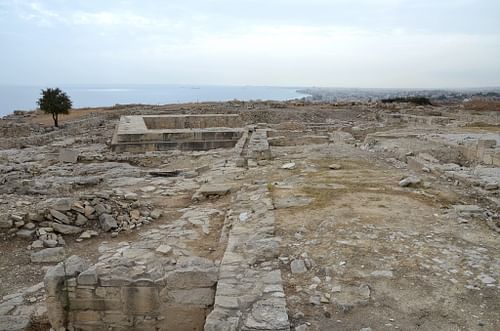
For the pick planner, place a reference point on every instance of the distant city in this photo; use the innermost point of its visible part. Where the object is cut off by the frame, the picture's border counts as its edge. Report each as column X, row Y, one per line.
column 328, row 94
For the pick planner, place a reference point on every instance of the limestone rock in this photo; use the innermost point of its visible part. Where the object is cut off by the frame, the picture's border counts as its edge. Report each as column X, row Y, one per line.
column 6, row 222
column 156, row 214
column 63, row 204
column 15, row 323
column 81, row 220
column 59, row 216
column 268, row 314
column 68, row 155
column 289, row 166
column 88, row 211
column 66, row 229
column 48, row 255
column 25, row 234
column 410, row 181
column 298, row 266
column 88, row 234
column 107, row 222
column 164, row 249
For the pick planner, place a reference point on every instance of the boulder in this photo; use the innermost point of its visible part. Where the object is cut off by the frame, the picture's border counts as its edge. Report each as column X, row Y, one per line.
column 335, row 166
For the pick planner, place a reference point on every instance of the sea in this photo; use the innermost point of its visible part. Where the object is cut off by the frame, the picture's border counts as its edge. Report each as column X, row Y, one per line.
column 25, row 97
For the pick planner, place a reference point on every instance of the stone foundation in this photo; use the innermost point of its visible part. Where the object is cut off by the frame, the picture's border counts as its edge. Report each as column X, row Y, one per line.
column 185, row 132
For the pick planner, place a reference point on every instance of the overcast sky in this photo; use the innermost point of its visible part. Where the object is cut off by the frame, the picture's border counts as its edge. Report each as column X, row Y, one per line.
column 340, row 43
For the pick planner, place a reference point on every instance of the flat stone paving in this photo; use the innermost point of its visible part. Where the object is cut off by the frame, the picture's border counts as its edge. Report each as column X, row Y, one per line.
column 250, row 293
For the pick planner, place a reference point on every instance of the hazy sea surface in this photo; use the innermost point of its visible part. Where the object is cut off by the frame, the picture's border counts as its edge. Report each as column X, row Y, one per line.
column 25, row 97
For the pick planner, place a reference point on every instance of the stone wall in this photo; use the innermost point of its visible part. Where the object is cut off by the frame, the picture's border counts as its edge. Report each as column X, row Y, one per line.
column 121, row 296
column 193, row 121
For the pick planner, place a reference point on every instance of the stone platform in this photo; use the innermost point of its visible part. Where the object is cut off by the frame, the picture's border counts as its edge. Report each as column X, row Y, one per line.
column 138, row 134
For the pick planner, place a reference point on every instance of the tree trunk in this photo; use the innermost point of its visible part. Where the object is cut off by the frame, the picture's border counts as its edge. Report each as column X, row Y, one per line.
column 55, row 118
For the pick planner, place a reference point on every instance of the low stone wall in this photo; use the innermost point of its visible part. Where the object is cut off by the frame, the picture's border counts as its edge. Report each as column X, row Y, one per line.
column 249, row 292
column 105, row 296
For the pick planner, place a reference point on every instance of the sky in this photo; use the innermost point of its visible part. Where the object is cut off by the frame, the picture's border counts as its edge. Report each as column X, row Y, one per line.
column 336, row 43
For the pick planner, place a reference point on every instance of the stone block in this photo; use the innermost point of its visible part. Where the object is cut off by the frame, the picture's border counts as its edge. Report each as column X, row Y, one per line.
column 191, row 277
column 94, row 304
column 88, row 277
column 183, row 318
column 196, row 296
column 113, row 293
column 141, row 300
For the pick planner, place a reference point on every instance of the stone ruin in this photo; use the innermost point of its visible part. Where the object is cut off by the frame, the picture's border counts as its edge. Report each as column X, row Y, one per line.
column 185, row 132
column 140, row 287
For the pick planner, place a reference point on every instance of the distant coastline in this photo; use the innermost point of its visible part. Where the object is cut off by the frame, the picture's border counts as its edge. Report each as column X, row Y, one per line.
column 24, row 97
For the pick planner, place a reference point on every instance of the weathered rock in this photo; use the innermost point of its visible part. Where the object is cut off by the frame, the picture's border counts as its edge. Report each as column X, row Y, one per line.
column 298, row 266
column 48, row 255
column 335, row 166
column 410, row 181
column 107, row 222
column 50, row 243
column 37, row 244
column 135, row 214
column 59, row 216
column 88, row 211
column 15, row 323
column 100, row 209
column 214, row 189
column 81, row 220
column 164, row 249
column 468, row 210
column 63, row 204
column 156, row 214
column 268, row 314
column 89, row 234
column 66, row 229
column 26, row 234
column 491, row 186
column 88, row 277
column 68, row 155
column 289, row 166
column 29, row 226
column 6, row 222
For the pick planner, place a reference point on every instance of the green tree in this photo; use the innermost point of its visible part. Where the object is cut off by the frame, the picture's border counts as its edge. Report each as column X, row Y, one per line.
column 54, row 101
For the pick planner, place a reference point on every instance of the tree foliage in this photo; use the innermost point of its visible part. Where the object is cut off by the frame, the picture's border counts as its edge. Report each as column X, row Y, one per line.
column 55, row 102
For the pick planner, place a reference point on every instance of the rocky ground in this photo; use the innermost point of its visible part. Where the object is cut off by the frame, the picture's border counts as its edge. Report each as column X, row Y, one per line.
column 383, row 224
